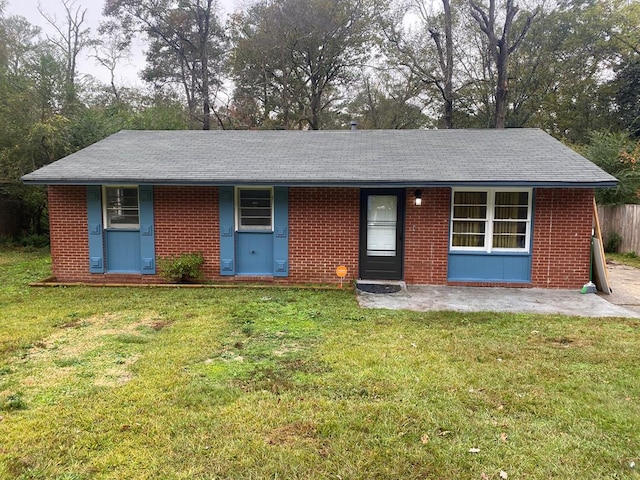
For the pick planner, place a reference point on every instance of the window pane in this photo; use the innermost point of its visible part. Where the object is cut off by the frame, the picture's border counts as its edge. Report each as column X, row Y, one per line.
column 256, row 222
column 467, row 240
column 122, row 207
column 382, row 215
column 468, row 234
column 507, row 213
column 469, row 219
column 512, row 198
column 509, row 234
column 470, row 211
column 510, row 206
column 509, row 241
column 255, row 209
column 470, row 198
column 469, row 227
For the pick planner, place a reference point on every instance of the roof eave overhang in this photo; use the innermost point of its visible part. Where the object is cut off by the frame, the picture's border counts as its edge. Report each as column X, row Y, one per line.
column 327, row 183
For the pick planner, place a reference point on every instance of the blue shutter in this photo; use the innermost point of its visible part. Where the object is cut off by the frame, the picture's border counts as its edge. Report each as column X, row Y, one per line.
column 227, row 229
column 281, row 232
column 147, row 236
column 94, row 219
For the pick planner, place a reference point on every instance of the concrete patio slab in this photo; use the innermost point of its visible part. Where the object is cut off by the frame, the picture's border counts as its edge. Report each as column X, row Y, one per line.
column 624, row 300
column 489, row 299
column 625, row 283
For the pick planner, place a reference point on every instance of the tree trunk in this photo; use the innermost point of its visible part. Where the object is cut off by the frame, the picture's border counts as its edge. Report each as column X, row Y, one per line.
column 445, row 58
column 502, row 87
column 448, row 73
column 205, row 25
column 500, row 48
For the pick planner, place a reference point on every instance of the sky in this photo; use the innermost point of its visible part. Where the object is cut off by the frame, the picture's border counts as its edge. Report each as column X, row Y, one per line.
column 127, row 73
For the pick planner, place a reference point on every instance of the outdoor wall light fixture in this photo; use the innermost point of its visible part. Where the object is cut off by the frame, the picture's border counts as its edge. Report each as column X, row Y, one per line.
column 418, row 196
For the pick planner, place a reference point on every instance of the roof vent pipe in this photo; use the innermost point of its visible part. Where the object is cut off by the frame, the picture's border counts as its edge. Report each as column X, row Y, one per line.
column 354, row 125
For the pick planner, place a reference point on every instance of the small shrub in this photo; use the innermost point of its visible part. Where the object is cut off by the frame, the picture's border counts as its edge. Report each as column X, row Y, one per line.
column 26, row 242
column 183, row 268
column 612, row 244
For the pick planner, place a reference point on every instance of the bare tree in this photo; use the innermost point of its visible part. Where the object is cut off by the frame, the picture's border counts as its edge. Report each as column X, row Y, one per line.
column 109, row 50
column 71, row 39
column 414, row 54
column 500, row 46
column 187, row 45
column 445, row 59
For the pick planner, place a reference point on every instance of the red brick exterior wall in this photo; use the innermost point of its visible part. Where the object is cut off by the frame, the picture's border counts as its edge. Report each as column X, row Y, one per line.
column 186, row 220
column 68, row 231
column 324, row 233
column 562, row 237
column 427, row 237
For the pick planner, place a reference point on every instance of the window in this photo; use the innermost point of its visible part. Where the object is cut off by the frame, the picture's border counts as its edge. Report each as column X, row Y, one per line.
column 382, row 219
column 486, row 220
column 121, row 207
column 255, row 208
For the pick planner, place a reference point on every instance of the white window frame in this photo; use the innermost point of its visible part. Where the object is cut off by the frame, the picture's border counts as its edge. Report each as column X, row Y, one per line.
column 489, row 220
column 239, row 227
column 105, row 216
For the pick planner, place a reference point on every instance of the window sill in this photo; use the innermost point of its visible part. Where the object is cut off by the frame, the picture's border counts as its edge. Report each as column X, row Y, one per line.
column 518, row 253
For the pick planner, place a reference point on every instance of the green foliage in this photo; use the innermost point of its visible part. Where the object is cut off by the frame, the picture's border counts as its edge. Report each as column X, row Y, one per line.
column 617, row 155
column 387, row 104
column 161, row 114
column 291, row 57
column 612, row 243
column 557, row 78
column 627, row 95
column 32, row 242
column 13, row 401
column 182, row 268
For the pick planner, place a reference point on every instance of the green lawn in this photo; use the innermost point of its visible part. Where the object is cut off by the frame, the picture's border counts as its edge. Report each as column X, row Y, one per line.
column 630, row 259
column 280, row 383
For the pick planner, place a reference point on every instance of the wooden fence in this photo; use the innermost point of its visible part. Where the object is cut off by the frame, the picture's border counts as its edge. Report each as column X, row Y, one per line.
column 623, row 220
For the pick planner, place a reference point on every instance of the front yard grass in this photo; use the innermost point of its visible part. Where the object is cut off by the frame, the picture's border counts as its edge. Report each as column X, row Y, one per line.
column 156, row 383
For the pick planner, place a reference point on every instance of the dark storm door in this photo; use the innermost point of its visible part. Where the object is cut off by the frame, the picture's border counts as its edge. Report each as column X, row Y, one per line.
column 381, row 234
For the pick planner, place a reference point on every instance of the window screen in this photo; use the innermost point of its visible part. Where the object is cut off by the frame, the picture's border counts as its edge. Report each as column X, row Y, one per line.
column 255, row 209
column 122, row 208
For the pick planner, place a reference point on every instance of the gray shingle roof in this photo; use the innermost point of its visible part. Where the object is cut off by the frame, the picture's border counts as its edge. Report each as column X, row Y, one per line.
column 360, row 158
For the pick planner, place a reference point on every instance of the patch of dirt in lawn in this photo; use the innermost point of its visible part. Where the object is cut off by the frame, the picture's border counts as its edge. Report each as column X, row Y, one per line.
column 117, row 374
column 566, row 342
column 80, row 348
column 293, row 433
